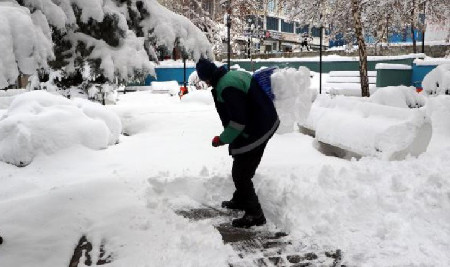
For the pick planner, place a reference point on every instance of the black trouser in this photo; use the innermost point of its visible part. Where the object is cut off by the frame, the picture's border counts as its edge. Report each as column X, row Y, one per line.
column 244, row 167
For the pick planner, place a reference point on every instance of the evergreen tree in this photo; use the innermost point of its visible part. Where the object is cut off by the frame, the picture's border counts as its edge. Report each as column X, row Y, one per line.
column 116, row 39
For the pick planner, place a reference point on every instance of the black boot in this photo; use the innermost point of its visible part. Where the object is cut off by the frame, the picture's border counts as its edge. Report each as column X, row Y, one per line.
column 232, row 205
column 249, row 220
column 1, row 240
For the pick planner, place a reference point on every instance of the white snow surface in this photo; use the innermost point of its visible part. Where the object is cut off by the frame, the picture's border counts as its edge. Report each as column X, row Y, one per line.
column 379, row 213
column 42, row 123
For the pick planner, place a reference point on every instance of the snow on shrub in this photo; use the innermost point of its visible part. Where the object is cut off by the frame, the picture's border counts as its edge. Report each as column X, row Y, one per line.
column 25, row 42
column 370, row 129
column 437, row 82
column 292, row 96
column 398, row 96
column 39, row 122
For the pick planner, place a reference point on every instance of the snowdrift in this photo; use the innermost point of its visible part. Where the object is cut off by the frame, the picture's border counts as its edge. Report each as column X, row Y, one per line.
column 437, row 82
column 368, row 128
column 39, row 122
column 292, row 96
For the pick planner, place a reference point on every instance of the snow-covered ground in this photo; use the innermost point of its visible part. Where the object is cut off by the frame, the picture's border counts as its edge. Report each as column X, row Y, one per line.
column 379, row 213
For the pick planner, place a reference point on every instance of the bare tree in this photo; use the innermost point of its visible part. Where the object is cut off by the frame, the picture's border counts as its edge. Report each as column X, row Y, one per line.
column 356, row 12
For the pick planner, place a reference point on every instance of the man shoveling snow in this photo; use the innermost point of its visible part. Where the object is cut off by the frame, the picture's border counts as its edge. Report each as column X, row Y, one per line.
column 249, row 119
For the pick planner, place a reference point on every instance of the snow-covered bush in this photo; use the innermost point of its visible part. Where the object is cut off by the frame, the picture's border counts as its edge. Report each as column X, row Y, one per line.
column 25, row 42
column 39, row 122
column 292, row 96
column 437, row 82
column 398, row 96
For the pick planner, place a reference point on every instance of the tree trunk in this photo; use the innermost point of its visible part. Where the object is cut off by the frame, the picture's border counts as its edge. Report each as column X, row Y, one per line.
column 413, row 25
column 356, row 11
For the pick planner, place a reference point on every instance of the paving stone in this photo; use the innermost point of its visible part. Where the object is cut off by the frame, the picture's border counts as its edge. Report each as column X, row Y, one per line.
column 277, row 261
column 310, row 256
column 275, row 247
column 303, row 264
column 294, row 258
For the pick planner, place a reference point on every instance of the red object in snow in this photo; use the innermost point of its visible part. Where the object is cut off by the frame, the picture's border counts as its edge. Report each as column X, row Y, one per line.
column 183, row 91
column 419, row 89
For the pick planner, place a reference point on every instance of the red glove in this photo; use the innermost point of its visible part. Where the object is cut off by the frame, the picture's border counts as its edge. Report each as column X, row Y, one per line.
column 216, row 142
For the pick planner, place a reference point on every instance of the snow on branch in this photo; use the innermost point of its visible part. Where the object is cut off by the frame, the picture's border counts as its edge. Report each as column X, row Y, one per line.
column 25, row 42
column 118, row 39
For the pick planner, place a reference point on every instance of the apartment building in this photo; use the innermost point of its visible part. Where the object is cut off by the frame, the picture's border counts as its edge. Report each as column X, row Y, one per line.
column 275, row 33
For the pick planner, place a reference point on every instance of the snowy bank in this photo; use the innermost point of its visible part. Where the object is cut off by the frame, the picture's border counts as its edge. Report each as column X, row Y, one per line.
column 368, row 128
column 39, row 122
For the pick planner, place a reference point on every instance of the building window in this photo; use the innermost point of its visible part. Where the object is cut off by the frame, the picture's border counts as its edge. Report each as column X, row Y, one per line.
column 271, row 6
column 302, row 29
column 315, row 32
column 287, row 27
column 272, row 24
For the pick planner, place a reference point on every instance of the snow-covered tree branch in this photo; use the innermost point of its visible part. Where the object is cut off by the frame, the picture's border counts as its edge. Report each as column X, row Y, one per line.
column 116, row 38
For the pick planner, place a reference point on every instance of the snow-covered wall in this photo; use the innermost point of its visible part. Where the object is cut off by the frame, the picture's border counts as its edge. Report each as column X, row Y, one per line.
column 42, row 123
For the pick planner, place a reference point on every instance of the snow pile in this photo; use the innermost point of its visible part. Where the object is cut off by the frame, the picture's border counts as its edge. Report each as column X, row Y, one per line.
column 170, row 87
column 25, row 42
column 292, row 96
column 437, row 81
column 379, row 213
column 398, row 96
column 39, row 122
column 198, row 96
column 370, row 129
column 438, row 108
